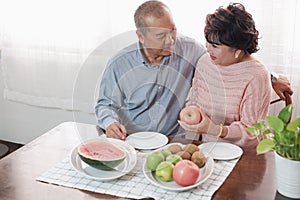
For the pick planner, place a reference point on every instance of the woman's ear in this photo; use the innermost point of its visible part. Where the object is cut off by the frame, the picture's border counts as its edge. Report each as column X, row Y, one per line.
column 140, row 36
column 237, row 53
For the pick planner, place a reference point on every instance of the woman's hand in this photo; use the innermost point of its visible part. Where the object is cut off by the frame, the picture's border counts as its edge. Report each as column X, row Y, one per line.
column 205, row 126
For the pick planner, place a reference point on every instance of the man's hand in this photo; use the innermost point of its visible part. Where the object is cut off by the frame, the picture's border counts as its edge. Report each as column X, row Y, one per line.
column 116, row 130
column 281, row 85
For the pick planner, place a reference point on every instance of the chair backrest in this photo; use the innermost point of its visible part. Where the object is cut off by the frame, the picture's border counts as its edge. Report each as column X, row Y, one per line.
column 288, row 100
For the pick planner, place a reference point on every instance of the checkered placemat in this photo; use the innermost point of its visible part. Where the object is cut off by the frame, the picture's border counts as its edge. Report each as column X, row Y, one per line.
column 134, row 184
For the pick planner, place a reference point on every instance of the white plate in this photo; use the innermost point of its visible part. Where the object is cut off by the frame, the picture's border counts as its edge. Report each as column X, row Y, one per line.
column 222, row 150
column 104, row 175
column 205, row 173
column 147, row 140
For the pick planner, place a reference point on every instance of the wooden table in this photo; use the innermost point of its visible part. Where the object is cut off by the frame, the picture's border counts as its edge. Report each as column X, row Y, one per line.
column 252, row 178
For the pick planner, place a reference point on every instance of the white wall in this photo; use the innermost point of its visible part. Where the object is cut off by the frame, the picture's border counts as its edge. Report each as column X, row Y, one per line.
column 22, row 123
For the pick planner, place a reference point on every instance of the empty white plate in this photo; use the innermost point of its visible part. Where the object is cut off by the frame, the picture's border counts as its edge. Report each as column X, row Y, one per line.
column 222, row 150
column 147, row 140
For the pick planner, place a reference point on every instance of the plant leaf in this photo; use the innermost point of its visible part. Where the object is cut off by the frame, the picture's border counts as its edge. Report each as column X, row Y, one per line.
column 292, row 126
column 285, row 113
column 267, row 132
column 259, row 126
column 265, row 146
column 252, row 130
column 275, row 123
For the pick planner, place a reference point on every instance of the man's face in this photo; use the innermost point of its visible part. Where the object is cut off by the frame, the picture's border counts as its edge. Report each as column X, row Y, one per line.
column 159, row 36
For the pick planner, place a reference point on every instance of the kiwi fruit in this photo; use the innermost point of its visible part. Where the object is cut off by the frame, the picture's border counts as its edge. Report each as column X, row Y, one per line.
column 184, row 155
column 198, row 158
column 174, row 148
column 191, row 148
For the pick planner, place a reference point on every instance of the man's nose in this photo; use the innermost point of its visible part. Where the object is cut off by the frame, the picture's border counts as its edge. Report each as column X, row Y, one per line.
column 170, row 38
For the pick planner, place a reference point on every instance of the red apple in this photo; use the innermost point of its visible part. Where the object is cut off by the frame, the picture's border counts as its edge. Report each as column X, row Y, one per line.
column 185, row 173
column 190, row 115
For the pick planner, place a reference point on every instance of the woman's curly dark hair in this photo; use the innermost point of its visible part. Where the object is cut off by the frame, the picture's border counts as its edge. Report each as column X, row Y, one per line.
column 232, row 26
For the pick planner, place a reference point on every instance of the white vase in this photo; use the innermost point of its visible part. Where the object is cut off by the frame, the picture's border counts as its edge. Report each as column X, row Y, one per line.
column 287, row 176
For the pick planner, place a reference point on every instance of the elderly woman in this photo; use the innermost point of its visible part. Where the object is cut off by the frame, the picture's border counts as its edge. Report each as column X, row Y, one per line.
column 231, row 87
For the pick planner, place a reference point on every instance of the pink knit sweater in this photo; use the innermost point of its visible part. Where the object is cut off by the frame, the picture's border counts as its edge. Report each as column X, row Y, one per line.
column 236, row 96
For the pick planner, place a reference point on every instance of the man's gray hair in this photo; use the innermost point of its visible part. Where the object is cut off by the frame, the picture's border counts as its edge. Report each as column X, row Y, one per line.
column 149, row 8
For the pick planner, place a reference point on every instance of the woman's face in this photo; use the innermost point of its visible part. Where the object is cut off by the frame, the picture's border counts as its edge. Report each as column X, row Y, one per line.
column 221, row 54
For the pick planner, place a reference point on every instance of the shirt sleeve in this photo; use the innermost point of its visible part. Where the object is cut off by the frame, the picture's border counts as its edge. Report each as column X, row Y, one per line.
column 110, row 98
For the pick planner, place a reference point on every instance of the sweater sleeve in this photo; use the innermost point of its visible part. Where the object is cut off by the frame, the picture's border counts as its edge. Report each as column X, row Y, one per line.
column 254, row 106
column 193, row 95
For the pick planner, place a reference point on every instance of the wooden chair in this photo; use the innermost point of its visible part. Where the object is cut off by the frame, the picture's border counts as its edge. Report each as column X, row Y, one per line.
column 288, row 101
column 4, row 149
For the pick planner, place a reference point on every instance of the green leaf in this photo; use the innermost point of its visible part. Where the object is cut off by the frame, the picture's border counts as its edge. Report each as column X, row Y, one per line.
column 292, row 126
column 251, row 130
column 265, row 146
column 266, row 132
column 285, row 113
column 275, row 123
column 259, row 126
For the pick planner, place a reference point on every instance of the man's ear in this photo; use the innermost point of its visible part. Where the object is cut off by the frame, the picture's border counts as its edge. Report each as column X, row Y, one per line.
column 140, row 36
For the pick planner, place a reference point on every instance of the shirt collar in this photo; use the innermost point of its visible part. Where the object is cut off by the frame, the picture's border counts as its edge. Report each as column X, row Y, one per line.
column 144, row 61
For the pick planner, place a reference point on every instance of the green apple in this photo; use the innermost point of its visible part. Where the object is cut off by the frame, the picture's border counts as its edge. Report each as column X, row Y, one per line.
column 166, row 152
column 153, row 160
column 164, row 171
column 173, row 158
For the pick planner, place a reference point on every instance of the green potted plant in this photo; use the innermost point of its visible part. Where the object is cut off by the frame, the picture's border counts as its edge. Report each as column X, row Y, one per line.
column 279, row 134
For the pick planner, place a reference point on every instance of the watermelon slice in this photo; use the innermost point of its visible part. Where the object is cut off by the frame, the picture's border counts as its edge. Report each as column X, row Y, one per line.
column 100, row 154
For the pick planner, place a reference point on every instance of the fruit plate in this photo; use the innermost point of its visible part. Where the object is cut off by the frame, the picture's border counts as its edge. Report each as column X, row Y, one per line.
column 222, row 150
column 147, row 140
column 205, row 173
column 105, row 175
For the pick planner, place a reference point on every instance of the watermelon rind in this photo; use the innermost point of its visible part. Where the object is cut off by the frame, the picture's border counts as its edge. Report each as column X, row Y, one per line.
column 101, row 164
